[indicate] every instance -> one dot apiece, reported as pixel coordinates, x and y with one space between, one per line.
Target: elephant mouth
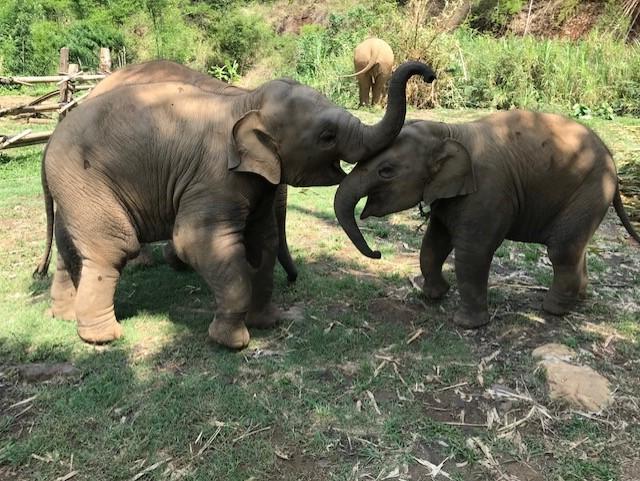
373 208
338 169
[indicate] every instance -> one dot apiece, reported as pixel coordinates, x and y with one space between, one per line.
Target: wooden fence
70 82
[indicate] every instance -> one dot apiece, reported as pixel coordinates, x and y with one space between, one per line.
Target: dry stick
209 441
452 387
67 476
526 26
250 433
24 401
150 468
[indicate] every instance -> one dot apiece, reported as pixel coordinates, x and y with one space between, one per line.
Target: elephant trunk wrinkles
347 196
377 137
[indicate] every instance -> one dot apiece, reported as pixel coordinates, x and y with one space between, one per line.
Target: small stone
580 386
553 351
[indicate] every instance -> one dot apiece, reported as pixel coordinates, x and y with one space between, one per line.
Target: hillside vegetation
569 55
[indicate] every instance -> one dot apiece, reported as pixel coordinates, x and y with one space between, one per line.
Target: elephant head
293 134
424 163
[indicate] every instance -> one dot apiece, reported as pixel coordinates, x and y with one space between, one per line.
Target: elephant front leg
218 255
436 247
262 246
472 273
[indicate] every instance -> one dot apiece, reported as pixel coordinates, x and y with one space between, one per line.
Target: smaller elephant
373 60
518 175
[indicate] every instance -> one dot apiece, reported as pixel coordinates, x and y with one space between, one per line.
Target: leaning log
23 139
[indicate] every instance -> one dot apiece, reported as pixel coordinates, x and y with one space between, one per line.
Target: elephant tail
369 66
624 218
43 268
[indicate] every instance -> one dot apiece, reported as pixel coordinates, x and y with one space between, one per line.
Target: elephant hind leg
94 304
66 276
364 86
567 247
569 278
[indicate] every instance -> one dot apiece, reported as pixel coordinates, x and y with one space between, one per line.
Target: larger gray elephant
166 71
518 175
149 162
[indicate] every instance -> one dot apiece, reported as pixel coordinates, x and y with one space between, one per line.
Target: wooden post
63 69
105 61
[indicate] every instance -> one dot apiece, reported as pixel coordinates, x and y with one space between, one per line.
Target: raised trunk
377 137
349 192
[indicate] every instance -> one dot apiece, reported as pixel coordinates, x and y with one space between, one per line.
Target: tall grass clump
480 71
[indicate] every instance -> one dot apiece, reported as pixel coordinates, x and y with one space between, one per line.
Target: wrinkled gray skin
516 175
158 161
167 71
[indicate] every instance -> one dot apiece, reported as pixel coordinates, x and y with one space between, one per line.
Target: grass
334 392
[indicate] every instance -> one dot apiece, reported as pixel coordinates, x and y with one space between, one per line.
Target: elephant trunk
377 137
284 255
349 192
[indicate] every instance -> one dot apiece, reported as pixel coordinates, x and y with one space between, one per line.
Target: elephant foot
470 320
436 289
230 333
100 333
172 259
263 319
557 305
64 312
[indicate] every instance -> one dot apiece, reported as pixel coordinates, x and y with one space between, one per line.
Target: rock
580 386
43 372
553 351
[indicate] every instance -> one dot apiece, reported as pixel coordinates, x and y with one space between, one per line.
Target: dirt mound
552 20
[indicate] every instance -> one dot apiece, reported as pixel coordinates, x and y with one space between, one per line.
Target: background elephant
149 162
518 175
167 71
373 61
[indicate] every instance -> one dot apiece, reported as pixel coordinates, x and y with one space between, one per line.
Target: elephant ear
252 148
451 172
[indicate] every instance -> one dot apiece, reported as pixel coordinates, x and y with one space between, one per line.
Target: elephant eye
327 137
386 172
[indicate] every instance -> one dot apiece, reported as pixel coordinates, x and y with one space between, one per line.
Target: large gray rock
579 386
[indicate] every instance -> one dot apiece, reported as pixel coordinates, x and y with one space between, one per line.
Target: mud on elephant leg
94 304
472 273
569 279
217 253
436 247
262 245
